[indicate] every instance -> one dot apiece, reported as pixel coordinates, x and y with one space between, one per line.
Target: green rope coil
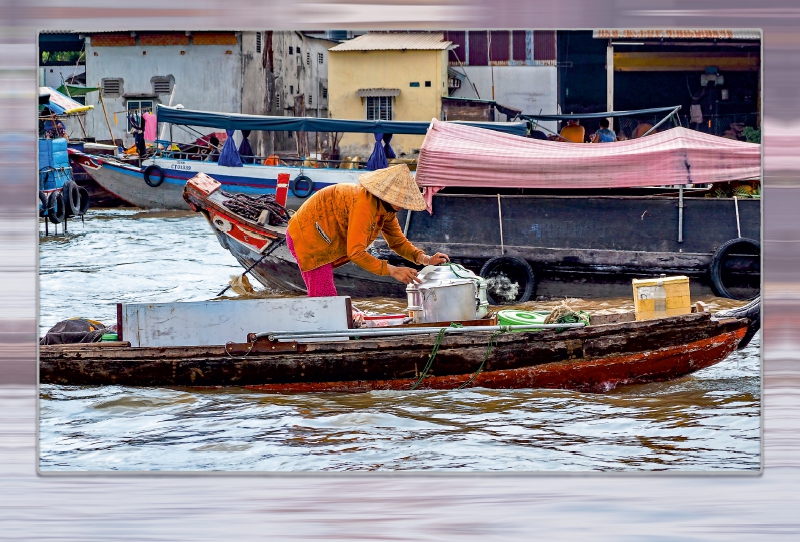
435 351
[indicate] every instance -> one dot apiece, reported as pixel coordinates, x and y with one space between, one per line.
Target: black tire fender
153 175
56 209
302 194
84 201
517 268
42 203
72 197
718 262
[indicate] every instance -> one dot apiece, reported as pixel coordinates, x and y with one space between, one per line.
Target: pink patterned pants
319 281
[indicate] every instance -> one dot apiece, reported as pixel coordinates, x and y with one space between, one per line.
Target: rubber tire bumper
718 262
84 201
148 173
56 209
519 269
72 198
42 203
301 194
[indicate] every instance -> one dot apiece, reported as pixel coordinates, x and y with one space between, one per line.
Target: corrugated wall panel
478 48
501 46
458 37
518 42
544 45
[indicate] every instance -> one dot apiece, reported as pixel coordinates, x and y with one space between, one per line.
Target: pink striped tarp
458 155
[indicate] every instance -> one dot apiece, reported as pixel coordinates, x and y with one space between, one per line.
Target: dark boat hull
578 246
597 358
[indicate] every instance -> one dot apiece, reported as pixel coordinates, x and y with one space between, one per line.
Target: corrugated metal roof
684 33
395 42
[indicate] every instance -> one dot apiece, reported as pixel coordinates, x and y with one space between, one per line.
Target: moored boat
613 351
157 183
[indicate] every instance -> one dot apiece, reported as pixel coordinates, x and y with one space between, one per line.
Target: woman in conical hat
338 223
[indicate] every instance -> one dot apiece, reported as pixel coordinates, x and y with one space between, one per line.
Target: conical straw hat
396 186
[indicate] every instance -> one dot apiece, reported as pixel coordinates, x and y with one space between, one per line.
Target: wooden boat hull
554 234
598 358
127 181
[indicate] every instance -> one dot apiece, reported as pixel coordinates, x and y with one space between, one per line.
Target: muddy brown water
708 421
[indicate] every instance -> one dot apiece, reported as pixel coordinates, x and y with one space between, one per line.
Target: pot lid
444 275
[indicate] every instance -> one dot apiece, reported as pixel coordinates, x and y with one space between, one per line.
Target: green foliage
751 134
61 57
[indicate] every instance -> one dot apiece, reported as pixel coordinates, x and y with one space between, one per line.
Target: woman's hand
437 259
406 275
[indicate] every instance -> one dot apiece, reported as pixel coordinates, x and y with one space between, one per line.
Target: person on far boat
604 134
213 150
641 129
573 131
338 223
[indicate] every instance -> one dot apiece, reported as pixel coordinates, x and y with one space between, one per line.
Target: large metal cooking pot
447 293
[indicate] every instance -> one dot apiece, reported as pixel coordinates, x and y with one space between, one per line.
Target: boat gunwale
474 339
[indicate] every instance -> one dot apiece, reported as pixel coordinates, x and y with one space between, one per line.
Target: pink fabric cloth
319 281
458 155
150 126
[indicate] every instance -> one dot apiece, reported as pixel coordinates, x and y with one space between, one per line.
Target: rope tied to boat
492 342
434 351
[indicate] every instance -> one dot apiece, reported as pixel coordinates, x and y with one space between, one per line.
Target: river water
706 422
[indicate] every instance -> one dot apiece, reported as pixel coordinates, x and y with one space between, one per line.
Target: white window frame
137 104
382 105
320 58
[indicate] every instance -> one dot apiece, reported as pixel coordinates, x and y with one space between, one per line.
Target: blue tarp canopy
234 121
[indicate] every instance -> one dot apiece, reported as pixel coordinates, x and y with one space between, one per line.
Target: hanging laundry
138 135
150 126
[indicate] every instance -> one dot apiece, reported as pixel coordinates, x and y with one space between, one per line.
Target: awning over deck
235 121
61 104
468 157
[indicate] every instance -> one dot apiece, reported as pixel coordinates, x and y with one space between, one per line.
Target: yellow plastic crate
676 288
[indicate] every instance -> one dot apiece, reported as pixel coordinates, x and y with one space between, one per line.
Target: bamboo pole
105 113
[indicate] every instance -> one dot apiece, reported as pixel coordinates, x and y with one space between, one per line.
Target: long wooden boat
580 247
612 352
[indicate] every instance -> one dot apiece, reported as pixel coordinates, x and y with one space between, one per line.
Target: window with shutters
112 87
379 108
161 85
258 42
324 93
319 58
310 100
308 58
277 101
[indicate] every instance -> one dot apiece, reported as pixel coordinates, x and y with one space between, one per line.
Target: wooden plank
678 61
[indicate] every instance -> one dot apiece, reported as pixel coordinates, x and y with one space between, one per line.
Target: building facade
135 71
516 68
387 76
285 74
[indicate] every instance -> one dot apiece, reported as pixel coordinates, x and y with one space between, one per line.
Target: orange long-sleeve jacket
338 223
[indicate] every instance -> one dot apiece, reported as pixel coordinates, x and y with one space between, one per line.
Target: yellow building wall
349 71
